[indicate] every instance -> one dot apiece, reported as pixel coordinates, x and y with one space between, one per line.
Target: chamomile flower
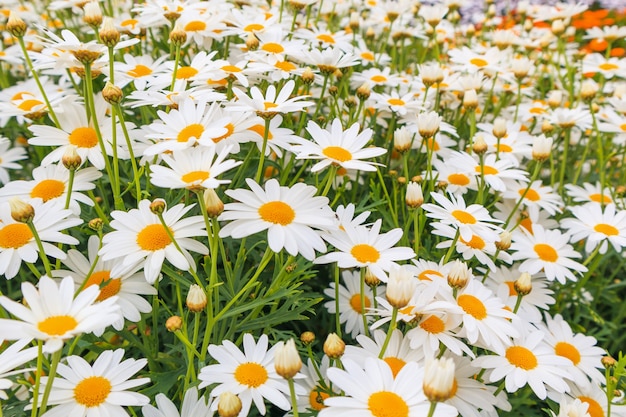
192 406
270 103
538 197
338 147
139 235
11 358
589 192
546 250
289 214
317 389
249 374
101 389
54 315
373 391
597 226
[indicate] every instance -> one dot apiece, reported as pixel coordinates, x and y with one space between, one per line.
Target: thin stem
42 252
392 327
431 410
38 373
294 399
337 321
362 294
266 133
56 357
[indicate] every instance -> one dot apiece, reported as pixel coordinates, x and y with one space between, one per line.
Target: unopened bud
109 35
523 285
178 36
157 206
334 347
428 124
370 279
21 211
555 97
402 139
470 100
112 94
459 275
355 21
439 381
608 361
414 195
96 224
588 90
364 91
214 206
16 26
499 128
546 127
542 147
308 76
71 159
196 299
287 361
228 405
505 240
307 338
400 286
174 323
479 146
252 42
558 27
93 14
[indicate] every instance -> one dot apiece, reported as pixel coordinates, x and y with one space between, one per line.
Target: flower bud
400 286
558 27
96 224
588 90
555 97
542 147
499 128
287 361
371 280
112 94
109 35
470 100
228 405
459 275
307 338
16 26
71 159
364 91
523 285
505 240
174 323
157 206
479 146
21 211
196 299
252 42
214 206
439 381
428 124
608 361
402 139
546 126
334 347
93 14
414 195
178 36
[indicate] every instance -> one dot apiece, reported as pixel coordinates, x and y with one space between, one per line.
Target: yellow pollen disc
472 306
464 217
504 148
387 404
595 409
27 105
365 253
316 398
599 198
269 105
458 179
231 68
433 324
260 129
379 78
230 128
130 22
194 176
108 287
608 66
475 242
57 325
285 66
185 72
367 56
277 212
511 285
253 27
396 364
337 153
273 48
568 351
606 229
623 127
341 172
48 189
195 26
251 374
83 137
408 310
20 95
424 275
537 110
546 252
432 144
396 102
355 303
487 170
325 38
139 71
521 357
15 235
531 195
194 130
92 391
153 237
479 62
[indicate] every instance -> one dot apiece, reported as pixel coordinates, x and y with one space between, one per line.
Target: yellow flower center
277 212
568 351
316 398
479 62
464 217
608 66
194 176
92 391
396 102
139 71
623 127
387 404
606 229
194 130
15 235
458 179
269 105
379 78
273 48
546 252
595 409
424 275
531 195
253 27
185 72
108 287
487 170
433 324
365 253
512 290
260 130
231 68
324 37
475 242
27 105
285 66
251 374
521 357
153 237
83 137
337 153
432 144
472 306
195 26
57 325
396 364
48 189
368 56
230 128
599 198
355 303
504 148
130 22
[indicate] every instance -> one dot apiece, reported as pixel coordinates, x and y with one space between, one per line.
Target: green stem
518 202
362 295
392 327
431 410
266 132
70 186
294 400
337 321
42 253
56 357
38 373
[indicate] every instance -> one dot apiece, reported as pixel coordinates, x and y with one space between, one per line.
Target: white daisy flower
101 389
288 214
139 235
546 250
598 226
373 391
11 358
192 406
55 315
589 192
338 147
317 387
271 102
249 374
